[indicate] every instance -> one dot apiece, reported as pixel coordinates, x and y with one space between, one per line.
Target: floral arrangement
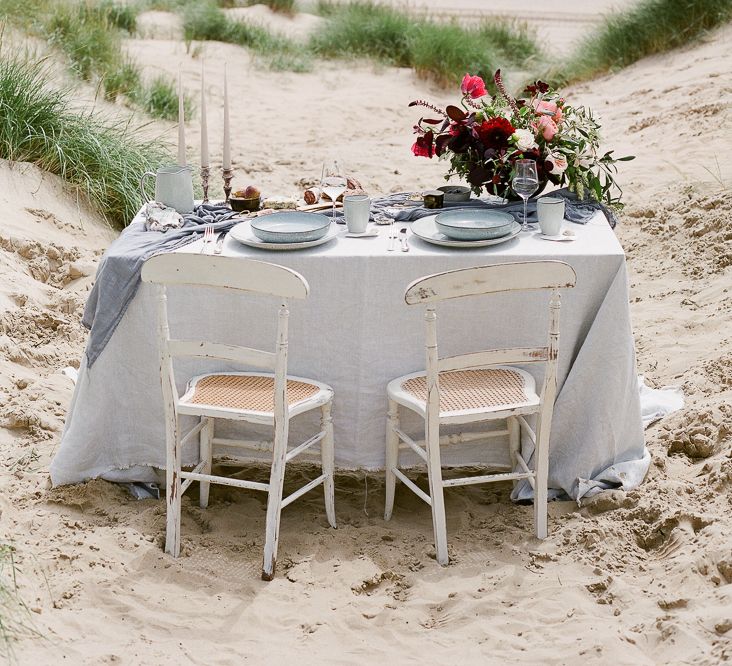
486 134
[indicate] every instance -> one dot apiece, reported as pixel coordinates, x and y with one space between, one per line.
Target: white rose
524 140
559 163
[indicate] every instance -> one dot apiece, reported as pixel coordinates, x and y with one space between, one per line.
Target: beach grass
204 20
103 158
283 6
15 621
645 29
159 98
440 51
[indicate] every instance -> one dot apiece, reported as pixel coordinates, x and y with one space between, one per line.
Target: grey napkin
118 275
576 210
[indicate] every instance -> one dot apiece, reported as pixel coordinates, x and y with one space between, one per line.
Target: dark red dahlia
494 133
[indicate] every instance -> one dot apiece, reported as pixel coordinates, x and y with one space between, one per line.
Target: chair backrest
482 280
230 273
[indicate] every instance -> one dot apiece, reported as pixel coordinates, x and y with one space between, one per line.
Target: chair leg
172 488
206 454
327 462
274 505
514 441
434 472
541 457
392 457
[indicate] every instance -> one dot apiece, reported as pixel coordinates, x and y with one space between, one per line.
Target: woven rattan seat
253 393
474 389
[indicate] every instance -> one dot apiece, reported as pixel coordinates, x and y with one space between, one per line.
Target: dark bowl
241 204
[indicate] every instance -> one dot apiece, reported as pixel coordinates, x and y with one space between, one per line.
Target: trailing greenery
650 27
438 51
101 157
205 21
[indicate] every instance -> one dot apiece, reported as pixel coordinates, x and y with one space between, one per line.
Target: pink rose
473 86
558 164
544 108
547 127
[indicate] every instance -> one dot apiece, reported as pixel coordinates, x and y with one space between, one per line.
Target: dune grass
204 20
102 158
648 28
15 619
439 51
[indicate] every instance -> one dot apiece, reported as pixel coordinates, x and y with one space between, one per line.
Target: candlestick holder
228 175
205 171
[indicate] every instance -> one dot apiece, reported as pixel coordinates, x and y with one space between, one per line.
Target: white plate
243 233
426 229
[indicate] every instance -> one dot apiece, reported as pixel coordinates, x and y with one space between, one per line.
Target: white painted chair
265 398
477 387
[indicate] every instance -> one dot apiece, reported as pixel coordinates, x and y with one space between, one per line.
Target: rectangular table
355 333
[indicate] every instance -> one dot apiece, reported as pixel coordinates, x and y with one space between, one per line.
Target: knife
220 242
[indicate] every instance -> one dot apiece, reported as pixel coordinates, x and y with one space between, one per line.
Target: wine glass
333 182
525 182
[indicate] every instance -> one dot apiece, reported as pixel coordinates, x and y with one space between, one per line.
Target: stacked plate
285 231
467 228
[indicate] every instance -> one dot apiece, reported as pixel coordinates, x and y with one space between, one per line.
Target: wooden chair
477 387
265 398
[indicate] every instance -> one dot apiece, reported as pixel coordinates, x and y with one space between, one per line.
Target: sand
642 577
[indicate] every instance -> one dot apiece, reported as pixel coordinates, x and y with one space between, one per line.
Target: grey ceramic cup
550 211
356 208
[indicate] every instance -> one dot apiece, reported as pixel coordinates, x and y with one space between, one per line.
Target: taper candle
227 134
181 124
204 125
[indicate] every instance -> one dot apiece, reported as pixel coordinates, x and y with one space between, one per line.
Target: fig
251 192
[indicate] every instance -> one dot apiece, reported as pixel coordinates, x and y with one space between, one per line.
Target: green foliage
159 98
205 21
442 52
102 158
282 6
650 27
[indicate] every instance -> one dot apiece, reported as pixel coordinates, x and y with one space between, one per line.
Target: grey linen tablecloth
355 333
118 275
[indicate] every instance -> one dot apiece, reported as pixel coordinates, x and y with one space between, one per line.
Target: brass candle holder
205 172
228 175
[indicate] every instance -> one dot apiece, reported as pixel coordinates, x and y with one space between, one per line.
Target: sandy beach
643 577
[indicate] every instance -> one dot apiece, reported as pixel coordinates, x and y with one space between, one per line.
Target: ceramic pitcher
173 187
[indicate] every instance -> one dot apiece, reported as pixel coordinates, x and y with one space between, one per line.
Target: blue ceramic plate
290 227
471 225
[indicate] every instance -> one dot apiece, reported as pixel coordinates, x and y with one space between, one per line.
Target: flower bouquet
485 135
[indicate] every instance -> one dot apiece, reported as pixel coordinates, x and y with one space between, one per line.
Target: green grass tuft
15 620
205 21
159 98
443 52
648 28
103 158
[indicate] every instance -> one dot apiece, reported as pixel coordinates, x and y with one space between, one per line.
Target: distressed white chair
271 398
477 387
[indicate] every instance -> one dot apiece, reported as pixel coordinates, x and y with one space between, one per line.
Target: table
356 333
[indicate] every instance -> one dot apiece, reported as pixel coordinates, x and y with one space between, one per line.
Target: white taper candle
227 133
181 124
204 124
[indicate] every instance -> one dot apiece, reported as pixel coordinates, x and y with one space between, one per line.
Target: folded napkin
118 275
577 210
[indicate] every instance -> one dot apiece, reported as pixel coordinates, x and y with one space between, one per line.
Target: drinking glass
333 182
525 182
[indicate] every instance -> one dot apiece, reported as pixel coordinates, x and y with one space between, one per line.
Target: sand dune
643 577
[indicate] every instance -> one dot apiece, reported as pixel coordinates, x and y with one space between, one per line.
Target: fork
208 236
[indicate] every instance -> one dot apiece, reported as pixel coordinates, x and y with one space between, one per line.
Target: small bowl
290 227
240 204
470 224
455 193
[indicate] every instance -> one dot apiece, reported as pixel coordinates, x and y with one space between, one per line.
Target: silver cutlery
208 236
220 242
392 236
403 239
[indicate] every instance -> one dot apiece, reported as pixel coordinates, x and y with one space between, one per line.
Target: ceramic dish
243 234
427 230
455 192
471 225
290 227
